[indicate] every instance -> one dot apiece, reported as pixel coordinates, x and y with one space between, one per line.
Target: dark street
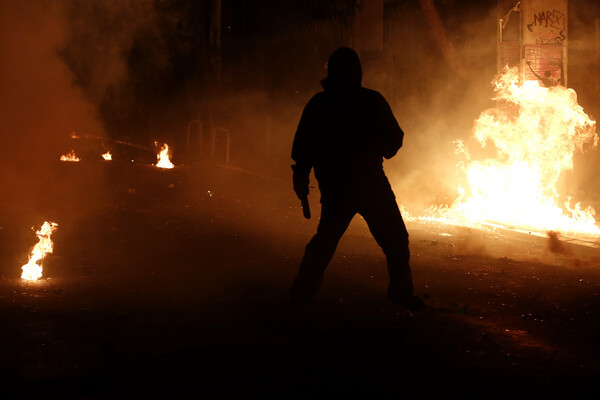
167 290
175 142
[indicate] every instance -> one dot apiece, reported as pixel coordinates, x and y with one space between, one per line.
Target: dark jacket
344 133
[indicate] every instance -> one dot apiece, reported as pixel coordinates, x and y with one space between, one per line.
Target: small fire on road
163 157
33 269
534 133
107 156
71 157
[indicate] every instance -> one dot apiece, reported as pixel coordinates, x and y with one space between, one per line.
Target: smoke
472 244
583 76
39 106
555 245
433 103
584 52
99 35
118 54
140 70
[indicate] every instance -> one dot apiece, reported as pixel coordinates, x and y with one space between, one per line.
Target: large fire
71 156
534 137
163 158
33 270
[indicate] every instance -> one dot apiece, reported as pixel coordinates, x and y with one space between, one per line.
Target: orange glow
107 156
71 156
534 144
33 269
163 157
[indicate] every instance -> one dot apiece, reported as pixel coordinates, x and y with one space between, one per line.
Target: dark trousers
382 215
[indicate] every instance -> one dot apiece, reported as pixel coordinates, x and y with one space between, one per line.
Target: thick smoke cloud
136 61
435 104
39 107
99 36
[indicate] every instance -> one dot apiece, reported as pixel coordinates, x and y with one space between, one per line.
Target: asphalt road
173 284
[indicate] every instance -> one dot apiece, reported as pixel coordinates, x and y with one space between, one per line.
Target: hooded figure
344 133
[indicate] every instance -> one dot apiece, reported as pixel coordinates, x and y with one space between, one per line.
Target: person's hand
301 191
301 181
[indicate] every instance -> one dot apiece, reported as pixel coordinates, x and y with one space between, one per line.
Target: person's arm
392 134
302 153
538 77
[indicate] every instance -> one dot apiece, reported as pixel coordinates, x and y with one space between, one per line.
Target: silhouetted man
547 80
344 133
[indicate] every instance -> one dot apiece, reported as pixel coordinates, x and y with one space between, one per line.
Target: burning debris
33 270
107 156
71 157
534 137
163 157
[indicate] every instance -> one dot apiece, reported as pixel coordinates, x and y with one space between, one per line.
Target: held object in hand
305 207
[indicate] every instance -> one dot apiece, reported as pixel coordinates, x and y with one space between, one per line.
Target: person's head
344 67
547 74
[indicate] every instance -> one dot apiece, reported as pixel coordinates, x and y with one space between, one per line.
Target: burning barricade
534 138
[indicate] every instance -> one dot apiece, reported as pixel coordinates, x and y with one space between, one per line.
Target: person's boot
410 301
304 289
405 298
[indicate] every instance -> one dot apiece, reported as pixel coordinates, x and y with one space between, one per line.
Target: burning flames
163 157
72 157
107 156
33 270
534 138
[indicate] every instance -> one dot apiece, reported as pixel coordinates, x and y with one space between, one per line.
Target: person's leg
387 226
319 251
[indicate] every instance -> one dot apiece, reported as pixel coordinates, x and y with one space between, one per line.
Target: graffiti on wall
548 19
547 26
552 22
544 39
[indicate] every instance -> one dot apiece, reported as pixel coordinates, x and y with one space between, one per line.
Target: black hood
343 70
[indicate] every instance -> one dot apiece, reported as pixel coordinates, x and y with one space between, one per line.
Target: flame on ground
163 157
33 269
72 157
107 156
534 137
